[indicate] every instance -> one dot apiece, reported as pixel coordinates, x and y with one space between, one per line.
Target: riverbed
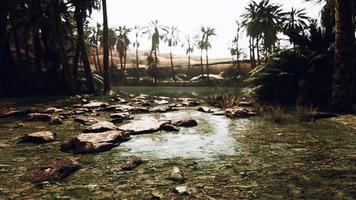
222 158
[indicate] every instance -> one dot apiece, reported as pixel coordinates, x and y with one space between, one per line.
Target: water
222 158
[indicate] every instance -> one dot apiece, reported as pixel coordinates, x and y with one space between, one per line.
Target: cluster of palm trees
118 38
49 38
264 21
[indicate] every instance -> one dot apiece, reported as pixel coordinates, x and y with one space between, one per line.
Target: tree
106 49
344 71
138 30
122 45
157 33
80 14
189 49
172 39
94 38
235 48
200 38
208 32
296 22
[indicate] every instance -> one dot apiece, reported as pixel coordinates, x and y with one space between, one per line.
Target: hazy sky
189 16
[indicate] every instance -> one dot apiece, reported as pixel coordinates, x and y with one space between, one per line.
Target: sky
189 16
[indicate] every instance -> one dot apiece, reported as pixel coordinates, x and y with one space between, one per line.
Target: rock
131 163
86 120
245 103
55 120
155 195
131 109
169 127
177 175
121 116
42 117
239 112
95 142
188 102
100 126
162 109
39 137
144 126
10 112
95 104
219 112
182 190
161 102
56 170
53 110
204 109
186 123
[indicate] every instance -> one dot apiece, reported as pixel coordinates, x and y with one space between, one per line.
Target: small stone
56 120
169 127
186 123
182 190
177 175
131 163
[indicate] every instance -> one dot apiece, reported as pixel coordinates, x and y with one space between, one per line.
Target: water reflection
211 138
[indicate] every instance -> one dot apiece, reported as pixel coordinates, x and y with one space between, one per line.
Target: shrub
306 113
224 99
277 114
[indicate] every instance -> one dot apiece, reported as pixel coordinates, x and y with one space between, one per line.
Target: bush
306 113
277 114
224 99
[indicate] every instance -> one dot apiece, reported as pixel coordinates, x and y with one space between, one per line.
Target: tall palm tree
138 30
296 21
122 45
344 74
106 49
172 39
189 49
80 14
235 48
208 32
200 40
156 32
94 38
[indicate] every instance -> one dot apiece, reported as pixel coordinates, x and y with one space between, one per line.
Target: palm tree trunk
98 57
343 80
155 67
258 50
172 66
76 61
188 73
207 64
137 64
95 62
125 57
72 87
111 58
79 17
106 50
201 63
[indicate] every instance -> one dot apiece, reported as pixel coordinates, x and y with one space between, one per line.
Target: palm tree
138 30
189 44
80 14
172 38
94 38
122 45
235 48
200 38
344 74
106 49
112 39
154 30
208 32
296 21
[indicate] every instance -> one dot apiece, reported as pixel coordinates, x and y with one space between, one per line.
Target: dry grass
277 114
224 99
306 113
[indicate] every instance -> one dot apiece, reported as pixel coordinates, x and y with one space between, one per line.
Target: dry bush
223 99
306 113
278 114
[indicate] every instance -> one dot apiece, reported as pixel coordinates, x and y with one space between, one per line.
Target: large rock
39 137
56 170
131 109
101 126
144 126
121 116
162 109
42 117
13 112
86 120
186 123
95 142
95 104
239 112
131 163
169 128
177 175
